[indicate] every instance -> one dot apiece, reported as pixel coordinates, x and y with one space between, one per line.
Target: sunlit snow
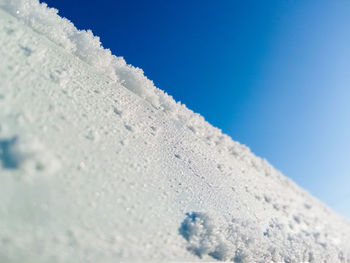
99 165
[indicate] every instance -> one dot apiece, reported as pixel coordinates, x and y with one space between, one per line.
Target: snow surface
98 165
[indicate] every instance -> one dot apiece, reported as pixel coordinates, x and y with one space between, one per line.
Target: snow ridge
87 47
142 178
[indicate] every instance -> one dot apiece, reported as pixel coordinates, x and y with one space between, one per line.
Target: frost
133 163
87 47
83 44
203 236
242 240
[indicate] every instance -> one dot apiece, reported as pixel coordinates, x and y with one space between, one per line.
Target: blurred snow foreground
98 165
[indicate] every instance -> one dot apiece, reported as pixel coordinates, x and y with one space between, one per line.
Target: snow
98 165
25 153
84 45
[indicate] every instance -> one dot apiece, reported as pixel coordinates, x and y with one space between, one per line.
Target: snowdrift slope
98 165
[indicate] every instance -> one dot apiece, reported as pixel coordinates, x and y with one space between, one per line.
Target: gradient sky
274 75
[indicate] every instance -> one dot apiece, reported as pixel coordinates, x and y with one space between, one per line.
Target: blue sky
274 75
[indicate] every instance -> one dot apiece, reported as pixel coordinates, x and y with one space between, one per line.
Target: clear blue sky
274 75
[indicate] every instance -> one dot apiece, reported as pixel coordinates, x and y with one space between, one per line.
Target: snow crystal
203 236
243 240
84 45
133 163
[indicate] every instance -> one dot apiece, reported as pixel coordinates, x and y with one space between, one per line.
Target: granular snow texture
98 165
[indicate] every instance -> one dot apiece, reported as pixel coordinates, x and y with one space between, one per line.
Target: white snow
98 165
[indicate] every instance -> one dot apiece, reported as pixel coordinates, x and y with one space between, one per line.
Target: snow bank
98 165
84 45
88 48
